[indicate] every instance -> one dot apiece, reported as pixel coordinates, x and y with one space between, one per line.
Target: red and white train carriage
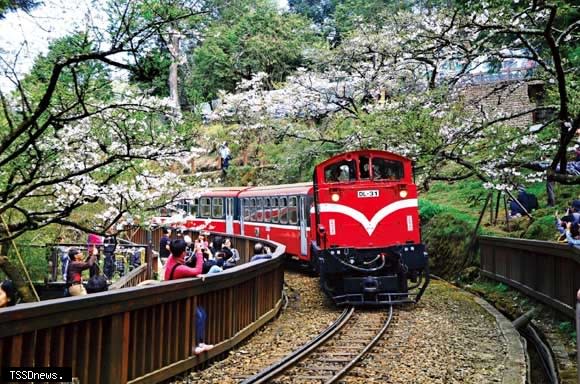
357 224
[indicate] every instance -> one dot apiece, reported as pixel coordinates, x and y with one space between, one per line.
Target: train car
357 224
367 240
281 213
210 209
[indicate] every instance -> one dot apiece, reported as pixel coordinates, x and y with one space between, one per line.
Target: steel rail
372 343
285 364
282 365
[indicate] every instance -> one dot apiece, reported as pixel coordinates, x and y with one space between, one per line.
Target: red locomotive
357 224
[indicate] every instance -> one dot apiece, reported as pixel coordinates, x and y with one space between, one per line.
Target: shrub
447 237
427 210
542 228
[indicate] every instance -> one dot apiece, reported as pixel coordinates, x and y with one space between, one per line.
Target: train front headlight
403 193
335 197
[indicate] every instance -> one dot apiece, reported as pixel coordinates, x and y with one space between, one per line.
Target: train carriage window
182 207
292 210
385 169
283 211
205 207
246 209
195 208
217 207
260 209
340 172
308 205
275 210
253 209
266 210
364 168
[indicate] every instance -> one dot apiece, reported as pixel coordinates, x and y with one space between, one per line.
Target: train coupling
370 284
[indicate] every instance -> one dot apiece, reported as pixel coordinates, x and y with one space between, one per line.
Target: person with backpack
177 269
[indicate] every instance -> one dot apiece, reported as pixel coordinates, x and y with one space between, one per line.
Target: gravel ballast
447 338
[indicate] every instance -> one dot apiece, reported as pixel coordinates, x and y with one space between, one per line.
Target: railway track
332 353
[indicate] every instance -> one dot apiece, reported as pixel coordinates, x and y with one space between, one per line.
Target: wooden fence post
117 349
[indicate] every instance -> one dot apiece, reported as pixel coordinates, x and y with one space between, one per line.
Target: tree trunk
173 68
25 290
550 192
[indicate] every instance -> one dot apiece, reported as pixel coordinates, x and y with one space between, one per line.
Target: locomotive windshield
340 172
375 168
384 169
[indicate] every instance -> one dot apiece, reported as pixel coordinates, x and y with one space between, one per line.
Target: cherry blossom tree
385 87
73 134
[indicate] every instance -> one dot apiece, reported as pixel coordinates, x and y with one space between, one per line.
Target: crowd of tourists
183 257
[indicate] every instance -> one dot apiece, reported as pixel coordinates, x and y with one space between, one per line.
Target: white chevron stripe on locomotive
371 225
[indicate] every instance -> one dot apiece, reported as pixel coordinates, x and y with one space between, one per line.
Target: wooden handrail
143 334
547 271
132 278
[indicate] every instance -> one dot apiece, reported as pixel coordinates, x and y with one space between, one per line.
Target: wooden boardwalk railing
143 334
547 271
132 278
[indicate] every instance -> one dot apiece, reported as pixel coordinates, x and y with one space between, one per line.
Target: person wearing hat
7 294
75 270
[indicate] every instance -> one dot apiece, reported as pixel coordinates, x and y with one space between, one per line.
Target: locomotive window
217 207
283 211
205 207
340 172
292 210
267 210
275 210
384 169
252 209
364 170
246 209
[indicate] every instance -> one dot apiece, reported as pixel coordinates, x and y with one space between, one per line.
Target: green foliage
568 328
501 287
542 228
258 40
88 80
464 198
316 10
447 238
152 71
428 210
14 5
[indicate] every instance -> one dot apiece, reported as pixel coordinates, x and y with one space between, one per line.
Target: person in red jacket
176 269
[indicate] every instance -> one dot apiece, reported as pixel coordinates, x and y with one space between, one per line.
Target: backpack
97 283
